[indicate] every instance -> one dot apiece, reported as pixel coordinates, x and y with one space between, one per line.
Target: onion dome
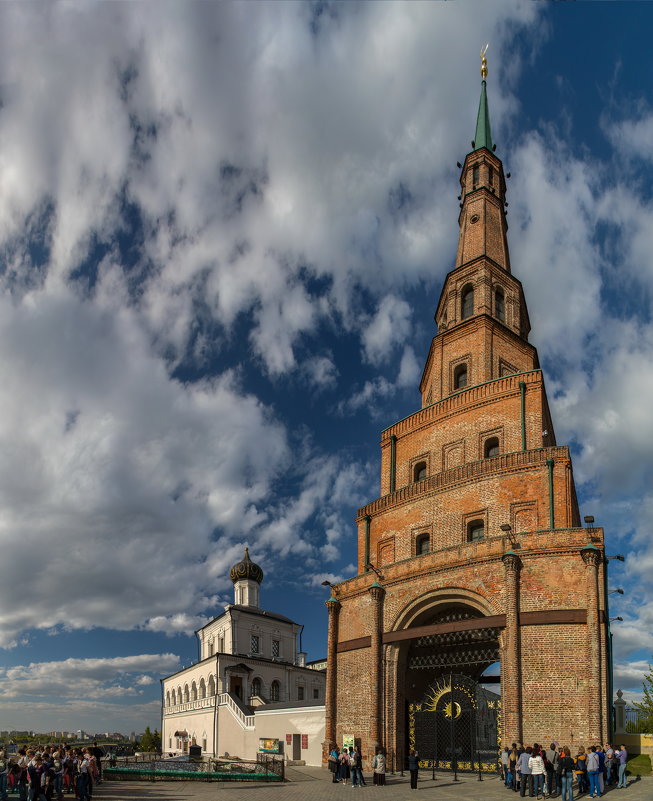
246 570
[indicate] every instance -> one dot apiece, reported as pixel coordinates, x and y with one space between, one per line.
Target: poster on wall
288 739
304 741
268 745
348 741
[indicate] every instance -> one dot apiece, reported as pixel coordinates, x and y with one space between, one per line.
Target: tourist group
35 775
548 772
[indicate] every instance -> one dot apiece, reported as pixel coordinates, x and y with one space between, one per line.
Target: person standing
622 756
536 767
609 762
601 755
378 765
581 770
343 766
566 766
333 764
513 760
525 772
593 772
551 765
413 769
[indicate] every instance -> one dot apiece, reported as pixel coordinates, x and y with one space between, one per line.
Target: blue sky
223 232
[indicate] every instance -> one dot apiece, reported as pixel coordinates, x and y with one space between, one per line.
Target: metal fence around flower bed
265 769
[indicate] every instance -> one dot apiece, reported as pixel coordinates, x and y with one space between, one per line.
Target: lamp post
618 591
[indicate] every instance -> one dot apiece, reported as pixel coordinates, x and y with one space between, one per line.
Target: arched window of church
168 698
211 685
256 687
193 692
186 695
202 689
491 447
475 176
499 304
179 695
422 544
210 647
419 471
460 377
475 530
467 302
274 691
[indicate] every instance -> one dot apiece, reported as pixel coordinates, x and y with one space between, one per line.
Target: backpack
352 760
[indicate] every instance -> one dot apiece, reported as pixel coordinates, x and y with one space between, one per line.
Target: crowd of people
548 772
347 765
49 773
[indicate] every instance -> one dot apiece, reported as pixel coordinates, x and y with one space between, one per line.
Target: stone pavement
315 784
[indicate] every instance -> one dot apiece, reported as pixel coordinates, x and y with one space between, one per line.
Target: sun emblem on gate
452 710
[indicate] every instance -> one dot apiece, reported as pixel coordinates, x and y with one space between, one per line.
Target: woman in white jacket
536 765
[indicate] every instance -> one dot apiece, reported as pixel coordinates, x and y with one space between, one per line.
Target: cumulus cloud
75 678
389 327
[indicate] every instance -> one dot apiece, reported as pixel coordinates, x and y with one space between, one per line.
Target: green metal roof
483 136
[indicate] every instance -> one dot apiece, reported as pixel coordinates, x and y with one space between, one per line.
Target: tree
646 705
149 741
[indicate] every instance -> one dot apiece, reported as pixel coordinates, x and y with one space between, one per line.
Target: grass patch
639 765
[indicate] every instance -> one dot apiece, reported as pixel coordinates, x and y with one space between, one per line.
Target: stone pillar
619 714
592 558
333 606
376 595
511 702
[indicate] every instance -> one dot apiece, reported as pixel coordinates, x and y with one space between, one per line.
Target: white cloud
389 327
77 678
125 469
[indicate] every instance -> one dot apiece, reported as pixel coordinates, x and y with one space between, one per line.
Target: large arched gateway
477 617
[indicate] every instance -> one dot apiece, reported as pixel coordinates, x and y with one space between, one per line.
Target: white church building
252 690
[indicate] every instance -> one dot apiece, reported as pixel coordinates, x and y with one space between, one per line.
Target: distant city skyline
223 230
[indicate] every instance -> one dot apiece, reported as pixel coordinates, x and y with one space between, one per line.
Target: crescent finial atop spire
484 61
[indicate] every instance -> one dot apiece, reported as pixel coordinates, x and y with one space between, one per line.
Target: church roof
250 610
483 136
246 569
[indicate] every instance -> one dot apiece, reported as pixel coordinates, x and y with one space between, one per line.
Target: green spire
483 136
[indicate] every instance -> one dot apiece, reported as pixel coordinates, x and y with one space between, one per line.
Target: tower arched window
475 530
460 377
422 544
257 687
499 304
211 686
475 171
274 691
467 302
491 447
202 689
419 471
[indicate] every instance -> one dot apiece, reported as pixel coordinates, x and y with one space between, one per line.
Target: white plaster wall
278 723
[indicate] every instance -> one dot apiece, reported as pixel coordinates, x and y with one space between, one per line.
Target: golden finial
484 61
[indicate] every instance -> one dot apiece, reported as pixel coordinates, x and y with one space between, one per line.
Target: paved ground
315 784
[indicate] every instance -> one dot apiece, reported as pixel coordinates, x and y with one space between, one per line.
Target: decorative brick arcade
474 553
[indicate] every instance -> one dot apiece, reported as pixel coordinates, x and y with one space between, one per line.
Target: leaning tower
477 617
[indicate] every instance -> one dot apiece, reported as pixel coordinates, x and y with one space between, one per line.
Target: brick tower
473 556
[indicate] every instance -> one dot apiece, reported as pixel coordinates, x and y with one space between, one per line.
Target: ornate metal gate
456 726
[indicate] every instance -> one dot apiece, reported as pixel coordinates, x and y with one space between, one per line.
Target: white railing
224 699
246 721
188 706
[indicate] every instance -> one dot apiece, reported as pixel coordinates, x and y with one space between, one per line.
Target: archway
440 672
